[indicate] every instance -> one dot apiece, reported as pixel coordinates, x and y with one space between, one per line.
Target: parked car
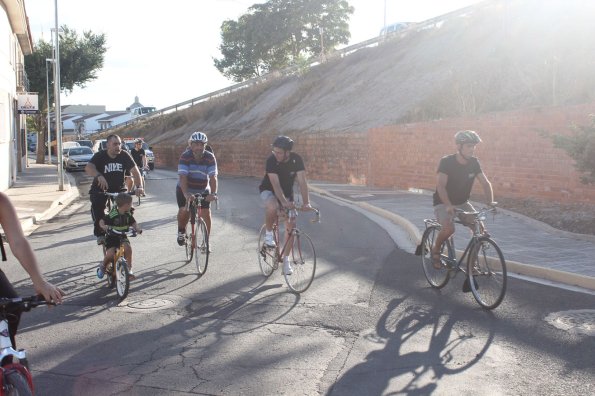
32 146
76 158
148 152
86 143
67 145
100 144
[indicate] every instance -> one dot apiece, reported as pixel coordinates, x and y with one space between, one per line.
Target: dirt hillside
505 54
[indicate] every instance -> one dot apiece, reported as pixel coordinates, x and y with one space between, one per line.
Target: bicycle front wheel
267 257
303 263
122 278
201 247
16 384
486 270
437 278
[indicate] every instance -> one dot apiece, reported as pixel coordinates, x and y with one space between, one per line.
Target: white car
68 145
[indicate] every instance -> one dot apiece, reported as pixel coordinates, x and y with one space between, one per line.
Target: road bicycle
15 377
196 243
117 272
484 268
298 246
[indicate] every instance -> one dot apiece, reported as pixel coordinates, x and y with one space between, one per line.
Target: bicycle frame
452 262
291 214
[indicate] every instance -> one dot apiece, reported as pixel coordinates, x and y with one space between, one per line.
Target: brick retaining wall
515 155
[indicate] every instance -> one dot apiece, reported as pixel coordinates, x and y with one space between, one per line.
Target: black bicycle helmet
462 137
283 142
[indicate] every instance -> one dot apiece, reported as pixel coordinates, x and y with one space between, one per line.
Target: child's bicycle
117 272
196 242
302 256
15 377
485 268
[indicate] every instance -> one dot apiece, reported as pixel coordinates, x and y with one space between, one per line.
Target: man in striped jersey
197 171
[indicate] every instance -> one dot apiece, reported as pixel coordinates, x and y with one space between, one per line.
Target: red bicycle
196 242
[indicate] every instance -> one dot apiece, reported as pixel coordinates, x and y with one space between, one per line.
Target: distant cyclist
276 189
456 174
197 171
140 159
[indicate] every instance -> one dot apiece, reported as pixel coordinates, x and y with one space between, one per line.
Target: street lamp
47 84
58 112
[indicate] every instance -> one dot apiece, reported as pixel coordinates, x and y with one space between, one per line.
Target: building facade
16 42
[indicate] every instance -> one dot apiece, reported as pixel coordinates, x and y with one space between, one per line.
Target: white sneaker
269 240
287 270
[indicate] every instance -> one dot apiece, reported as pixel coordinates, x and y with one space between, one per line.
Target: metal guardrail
375 41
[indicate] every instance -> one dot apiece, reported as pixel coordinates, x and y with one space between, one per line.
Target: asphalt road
369 324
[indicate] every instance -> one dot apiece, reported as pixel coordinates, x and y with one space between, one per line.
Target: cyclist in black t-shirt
456 174
108 168
140 159
276 188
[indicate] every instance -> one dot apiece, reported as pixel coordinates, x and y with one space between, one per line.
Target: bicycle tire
437 278
487 275
303 263
122 278
201 248
16 384
267 257
189 246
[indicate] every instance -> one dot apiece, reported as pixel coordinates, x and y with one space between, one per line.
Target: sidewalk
531 248
36 196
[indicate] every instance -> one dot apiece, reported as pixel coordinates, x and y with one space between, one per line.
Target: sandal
436 261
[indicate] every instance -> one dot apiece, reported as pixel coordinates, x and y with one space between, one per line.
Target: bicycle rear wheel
122 278
303 262
487 275
189 245
267 257
201 247
437 278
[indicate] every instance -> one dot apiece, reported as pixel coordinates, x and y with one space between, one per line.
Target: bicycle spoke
266 256
437 278
487 270
303 263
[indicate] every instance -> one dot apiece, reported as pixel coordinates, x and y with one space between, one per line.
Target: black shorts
113 241
182 199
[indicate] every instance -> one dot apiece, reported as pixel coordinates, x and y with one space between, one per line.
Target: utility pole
58 112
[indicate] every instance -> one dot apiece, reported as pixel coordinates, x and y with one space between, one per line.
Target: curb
529 270
30 223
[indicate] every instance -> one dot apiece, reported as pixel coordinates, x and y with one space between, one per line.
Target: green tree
281 33
80 59
580 146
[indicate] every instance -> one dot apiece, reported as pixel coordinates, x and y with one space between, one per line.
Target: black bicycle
485 266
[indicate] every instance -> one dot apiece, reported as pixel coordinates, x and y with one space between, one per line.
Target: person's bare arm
274 178
92 171
22 250
487 188
303 182
442 193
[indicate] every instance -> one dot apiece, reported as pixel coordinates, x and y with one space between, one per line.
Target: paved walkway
530 247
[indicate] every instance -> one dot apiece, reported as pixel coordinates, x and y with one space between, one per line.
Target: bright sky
162 51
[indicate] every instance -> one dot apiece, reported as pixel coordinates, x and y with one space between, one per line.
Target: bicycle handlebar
25 303
129 232
293 212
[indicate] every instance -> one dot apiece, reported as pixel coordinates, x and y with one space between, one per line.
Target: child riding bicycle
120 218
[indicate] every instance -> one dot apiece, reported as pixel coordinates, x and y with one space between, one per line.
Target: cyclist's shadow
415 368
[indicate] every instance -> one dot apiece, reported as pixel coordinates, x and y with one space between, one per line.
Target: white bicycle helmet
198 137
